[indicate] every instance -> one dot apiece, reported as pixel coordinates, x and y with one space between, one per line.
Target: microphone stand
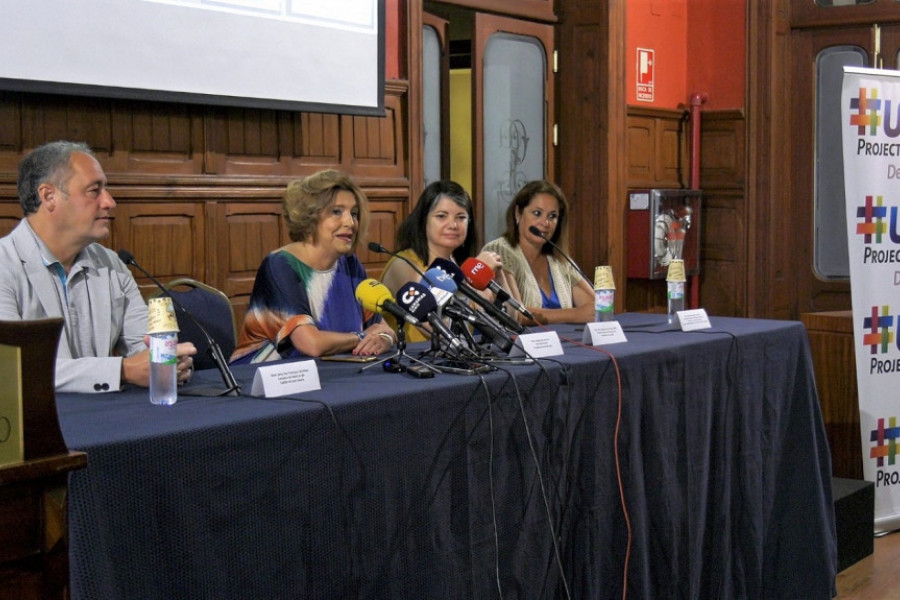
488 307
471 365
214 350
376 247
568 258
399 355
462 330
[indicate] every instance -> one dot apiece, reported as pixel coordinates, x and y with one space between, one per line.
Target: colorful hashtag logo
885 442
868 109
878 334
873 225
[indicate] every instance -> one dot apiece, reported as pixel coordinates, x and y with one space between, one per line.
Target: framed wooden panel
641 144
244 232
386 215
541 10
167 239
722 149
46 118
657 149
265 143
11 132
258 143
155 138
806 13
10 215
377 144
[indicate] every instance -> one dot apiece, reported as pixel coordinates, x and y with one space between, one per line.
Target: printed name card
691 320
537 345
603 333
286 378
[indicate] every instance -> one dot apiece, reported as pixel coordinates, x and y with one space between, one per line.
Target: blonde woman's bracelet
388 337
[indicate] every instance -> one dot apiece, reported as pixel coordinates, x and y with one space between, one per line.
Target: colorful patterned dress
288 294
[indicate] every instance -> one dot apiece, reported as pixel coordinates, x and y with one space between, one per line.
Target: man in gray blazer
53 267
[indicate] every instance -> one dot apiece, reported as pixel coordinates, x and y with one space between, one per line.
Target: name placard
537 345
284 379
12 446
691 320
603 333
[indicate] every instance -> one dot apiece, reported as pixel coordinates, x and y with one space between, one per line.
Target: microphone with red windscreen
462 312
480 276
466 288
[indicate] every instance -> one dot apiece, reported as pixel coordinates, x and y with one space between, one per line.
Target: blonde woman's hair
305 200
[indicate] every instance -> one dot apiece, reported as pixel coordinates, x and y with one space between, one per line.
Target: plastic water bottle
604 301
604 294
162 327
163 371
675 280
676 299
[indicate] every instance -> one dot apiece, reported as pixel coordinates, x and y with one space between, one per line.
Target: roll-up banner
870 126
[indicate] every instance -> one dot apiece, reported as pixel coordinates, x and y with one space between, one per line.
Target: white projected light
313 55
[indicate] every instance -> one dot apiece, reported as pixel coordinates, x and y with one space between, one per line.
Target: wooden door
510 141
436 98
818 241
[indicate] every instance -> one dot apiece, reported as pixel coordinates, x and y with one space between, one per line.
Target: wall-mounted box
663 224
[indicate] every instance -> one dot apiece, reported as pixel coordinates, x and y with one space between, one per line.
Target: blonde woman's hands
378 338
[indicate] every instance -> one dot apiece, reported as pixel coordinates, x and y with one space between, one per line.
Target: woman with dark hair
304 298
442 225
549 287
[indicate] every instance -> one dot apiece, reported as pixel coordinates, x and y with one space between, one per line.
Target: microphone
213 348
535 231
420 302
507 321
376 297
487 326
463 312
442 298
376 247
481 276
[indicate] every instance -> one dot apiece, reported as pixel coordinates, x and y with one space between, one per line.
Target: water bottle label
676 290
162 349
604 300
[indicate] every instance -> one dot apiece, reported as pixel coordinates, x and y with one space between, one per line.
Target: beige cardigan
565 278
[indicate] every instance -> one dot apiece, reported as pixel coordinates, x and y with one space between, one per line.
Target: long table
681 465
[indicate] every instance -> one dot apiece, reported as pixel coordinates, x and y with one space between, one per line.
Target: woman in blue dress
304 298
548 286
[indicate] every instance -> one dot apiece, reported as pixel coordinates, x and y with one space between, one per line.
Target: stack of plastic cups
675 280
162 327
604 293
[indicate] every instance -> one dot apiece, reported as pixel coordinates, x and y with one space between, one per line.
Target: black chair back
210 307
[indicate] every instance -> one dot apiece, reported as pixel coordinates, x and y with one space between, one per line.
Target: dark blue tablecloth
381 485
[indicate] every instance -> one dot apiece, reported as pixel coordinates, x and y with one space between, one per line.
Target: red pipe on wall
697 100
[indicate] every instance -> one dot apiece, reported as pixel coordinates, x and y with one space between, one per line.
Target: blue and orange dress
288 294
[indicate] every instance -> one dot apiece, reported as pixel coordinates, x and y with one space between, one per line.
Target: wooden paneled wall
659 157
657 148
199 188
724 258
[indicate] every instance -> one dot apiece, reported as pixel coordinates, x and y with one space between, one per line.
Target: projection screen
311 55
